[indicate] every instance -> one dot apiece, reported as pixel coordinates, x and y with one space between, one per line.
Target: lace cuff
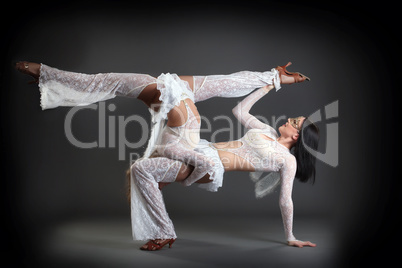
218 170
55 93
276 79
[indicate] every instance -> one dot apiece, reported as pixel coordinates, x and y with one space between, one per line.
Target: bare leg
189 79
183 173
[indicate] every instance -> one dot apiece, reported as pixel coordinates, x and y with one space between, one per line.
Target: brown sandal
30 69
288 77
153 245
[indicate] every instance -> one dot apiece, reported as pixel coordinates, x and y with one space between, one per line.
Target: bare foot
30 68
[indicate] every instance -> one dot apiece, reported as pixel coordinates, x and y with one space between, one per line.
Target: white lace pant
149 217
63 88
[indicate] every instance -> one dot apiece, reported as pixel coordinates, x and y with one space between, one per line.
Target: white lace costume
266 155
61 88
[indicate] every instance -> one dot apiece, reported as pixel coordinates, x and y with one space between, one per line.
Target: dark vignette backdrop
349 50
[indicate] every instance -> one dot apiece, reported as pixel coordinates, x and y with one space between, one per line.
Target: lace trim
276 80
60 88
216 175
42 97
173 90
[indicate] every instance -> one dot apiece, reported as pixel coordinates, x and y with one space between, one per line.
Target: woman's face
292 126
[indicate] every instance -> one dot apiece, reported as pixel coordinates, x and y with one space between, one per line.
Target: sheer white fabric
265 183
149 218
62 88
233 85
173 90
216 174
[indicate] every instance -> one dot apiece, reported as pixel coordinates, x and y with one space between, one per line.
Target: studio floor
202 242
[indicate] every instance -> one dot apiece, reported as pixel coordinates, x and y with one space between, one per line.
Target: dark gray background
345 51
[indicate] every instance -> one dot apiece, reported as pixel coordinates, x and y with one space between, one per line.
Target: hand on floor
301 244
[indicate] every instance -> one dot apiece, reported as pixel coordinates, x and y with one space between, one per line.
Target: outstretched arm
286 203
242 110
287 173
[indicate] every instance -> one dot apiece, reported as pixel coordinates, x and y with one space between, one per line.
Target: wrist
291 238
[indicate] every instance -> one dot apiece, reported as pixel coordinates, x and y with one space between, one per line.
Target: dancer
261 149
168 97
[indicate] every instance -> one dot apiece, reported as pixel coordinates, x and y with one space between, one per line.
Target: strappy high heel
27 68
153 245
288 77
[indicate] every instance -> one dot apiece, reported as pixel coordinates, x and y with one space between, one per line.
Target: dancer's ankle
30 68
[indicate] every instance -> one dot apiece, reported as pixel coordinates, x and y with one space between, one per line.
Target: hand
301 244
268 88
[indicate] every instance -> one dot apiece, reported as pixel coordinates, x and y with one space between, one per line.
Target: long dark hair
308 136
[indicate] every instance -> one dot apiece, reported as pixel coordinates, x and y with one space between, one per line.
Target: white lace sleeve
287 173
242 111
